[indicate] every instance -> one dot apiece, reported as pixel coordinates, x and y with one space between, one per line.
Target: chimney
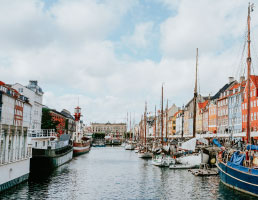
230 79
242 78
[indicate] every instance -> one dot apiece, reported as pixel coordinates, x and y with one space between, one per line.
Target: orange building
204 113
253 105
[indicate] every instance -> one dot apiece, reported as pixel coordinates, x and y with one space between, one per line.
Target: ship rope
240 70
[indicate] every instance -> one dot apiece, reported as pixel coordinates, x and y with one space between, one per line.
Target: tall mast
141 130
162 115
145 122
167 121
155 124
126 125
130 128
248 60
195 96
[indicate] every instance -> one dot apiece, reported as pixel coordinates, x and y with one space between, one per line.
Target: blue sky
115 54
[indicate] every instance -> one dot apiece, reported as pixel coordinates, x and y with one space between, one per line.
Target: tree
47 121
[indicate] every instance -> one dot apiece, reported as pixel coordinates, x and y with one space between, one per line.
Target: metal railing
41 133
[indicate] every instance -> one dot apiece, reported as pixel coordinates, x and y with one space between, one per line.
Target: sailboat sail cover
216 142
191 144
237 158
252 147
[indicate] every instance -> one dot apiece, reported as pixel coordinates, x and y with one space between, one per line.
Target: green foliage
47 122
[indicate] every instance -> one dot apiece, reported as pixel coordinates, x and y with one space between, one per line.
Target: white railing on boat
41 133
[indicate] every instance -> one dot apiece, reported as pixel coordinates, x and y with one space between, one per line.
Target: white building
35 95
14 151
179 123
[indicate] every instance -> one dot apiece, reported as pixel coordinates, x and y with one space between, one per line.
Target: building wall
199 118
235 113
253 107
108 128
27 117
213 117
173 125
186 121
7 116
223 114
205 122
35 99
179 128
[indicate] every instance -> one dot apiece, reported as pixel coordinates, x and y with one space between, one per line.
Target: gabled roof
255 80
223 89
203 104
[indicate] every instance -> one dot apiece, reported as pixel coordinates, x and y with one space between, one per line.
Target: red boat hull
81 148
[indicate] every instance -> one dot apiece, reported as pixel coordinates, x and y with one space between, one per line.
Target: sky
113 55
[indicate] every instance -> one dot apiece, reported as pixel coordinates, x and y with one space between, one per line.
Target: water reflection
113 173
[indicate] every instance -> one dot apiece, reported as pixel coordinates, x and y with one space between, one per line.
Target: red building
253 105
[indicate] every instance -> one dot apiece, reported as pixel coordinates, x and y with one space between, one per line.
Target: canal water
114 173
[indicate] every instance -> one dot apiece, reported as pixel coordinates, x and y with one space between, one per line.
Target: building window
251 104
254 103
245 105
251 116
255 116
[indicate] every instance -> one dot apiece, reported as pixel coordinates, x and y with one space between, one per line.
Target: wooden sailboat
240 170
162 160
145 153
192 160
130 145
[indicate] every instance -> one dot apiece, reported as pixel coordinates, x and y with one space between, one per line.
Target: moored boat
81 144
144 154
239 172
240 169
129 146
81 147
194 159
48 150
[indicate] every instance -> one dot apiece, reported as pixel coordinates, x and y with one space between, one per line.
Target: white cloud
67 47
204 24
141 36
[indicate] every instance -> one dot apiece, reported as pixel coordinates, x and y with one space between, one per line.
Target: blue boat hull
239 178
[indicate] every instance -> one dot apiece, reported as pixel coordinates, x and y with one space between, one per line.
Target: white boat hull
181 166
163 162
129 147
14 173
145 155
194 160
